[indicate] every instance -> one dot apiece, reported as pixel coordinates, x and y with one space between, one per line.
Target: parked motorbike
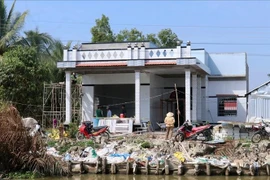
262 133
187 131
86 130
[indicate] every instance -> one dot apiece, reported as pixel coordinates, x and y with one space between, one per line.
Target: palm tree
41 41
10 25
57 50
56 54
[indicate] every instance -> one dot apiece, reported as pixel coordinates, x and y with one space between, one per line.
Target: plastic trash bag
179 156
103 152
67 157
124 155
115 160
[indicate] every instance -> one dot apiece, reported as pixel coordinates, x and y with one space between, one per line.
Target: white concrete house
211 86
259 103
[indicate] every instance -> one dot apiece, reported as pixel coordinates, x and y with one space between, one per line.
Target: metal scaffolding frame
54 103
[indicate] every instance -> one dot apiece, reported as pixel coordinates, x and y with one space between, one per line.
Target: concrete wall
200 54
226 87
88 103
124 78
156 91
145 102
227 64
237 87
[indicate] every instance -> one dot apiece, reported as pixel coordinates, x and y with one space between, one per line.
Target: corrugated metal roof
258 88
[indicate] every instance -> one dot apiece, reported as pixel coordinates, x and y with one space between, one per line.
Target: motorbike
86 130
187 131
262 133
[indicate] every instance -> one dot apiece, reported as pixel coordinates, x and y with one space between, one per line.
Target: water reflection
160 177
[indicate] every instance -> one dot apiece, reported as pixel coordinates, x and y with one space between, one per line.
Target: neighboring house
259 103
211 86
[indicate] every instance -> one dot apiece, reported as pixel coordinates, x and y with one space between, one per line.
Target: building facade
143 77
259 103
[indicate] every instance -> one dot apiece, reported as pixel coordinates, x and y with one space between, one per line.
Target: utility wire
158 25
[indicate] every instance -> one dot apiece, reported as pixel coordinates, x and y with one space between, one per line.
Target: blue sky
217 26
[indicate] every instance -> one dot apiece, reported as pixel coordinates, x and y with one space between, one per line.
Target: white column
205 102
187 94
68 98
194 97
65 55
137 97
199 98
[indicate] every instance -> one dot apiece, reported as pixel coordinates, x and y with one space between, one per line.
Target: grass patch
24 175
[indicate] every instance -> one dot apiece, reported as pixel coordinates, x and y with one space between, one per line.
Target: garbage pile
142 148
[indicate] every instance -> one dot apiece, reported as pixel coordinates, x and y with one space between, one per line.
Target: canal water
160 177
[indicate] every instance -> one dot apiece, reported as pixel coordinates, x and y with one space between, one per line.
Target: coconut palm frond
19 151
12 28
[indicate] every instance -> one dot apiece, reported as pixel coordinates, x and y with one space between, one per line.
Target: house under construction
54 103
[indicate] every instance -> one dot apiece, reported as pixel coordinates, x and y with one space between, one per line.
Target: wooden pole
177 103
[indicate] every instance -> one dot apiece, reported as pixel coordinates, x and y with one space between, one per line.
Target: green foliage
72 130
132 35
146 144
102 32
41 41
24 175
51 143
22 78
10 25
167 38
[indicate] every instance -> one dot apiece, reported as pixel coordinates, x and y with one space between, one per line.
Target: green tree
167 38
10 25
41 41
22 78
153 38
130 35
56 54
102 32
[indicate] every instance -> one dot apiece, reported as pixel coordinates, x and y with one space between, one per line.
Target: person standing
109 112
99 112
124 111
169 121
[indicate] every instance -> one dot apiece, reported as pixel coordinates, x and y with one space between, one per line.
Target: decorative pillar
137 97
74 53
205 101
187 93
129 51
199 98
68 97
142 52
188 51
65 54
179 49
194 97
136 52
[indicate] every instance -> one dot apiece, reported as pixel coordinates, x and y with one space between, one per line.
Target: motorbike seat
98 128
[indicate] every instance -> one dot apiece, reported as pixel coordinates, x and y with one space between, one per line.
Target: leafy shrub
146 144
72 130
